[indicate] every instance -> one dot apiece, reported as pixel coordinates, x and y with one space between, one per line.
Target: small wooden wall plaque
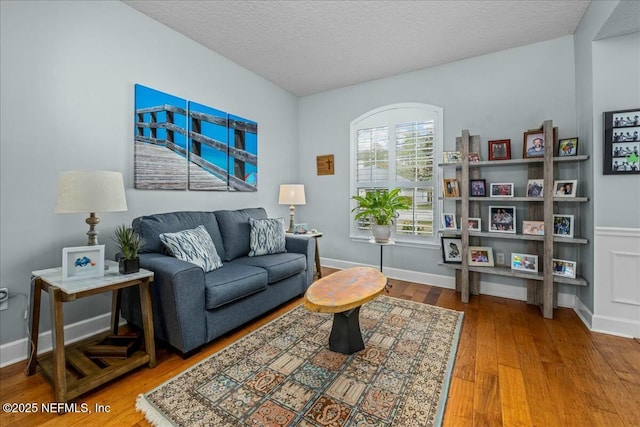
325 164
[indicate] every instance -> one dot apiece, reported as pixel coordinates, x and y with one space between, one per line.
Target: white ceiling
308 47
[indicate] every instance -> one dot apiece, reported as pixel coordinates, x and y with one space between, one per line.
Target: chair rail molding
617 281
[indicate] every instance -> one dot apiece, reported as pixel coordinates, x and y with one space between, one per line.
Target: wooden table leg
317 259
116 300
57 331
147 321
34 326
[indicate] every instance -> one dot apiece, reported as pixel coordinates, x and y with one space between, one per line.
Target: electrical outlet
500 258
4 299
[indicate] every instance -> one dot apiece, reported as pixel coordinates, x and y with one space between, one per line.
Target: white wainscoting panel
616 305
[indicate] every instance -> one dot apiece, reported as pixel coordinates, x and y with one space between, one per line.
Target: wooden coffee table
342 294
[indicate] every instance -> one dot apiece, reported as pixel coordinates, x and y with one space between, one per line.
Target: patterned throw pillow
194 246
267 236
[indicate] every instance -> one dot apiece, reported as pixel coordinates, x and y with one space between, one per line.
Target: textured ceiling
308 47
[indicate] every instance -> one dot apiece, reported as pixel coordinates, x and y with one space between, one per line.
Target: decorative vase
381 233
128 266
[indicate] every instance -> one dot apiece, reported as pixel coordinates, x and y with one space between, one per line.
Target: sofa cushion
150 227
235 230
278 266
267 236
194 246
232 282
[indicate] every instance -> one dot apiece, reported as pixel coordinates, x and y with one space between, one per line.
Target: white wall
496 96
67 75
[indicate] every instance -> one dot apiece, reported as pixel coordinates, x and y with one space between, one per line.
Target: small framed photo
478 188
502 219
621 142
535 187
564 268
451 250
565 188
449 221
563 225
500 149
452 156
82 262
474 157
568 147
524 262
481 256
450 187
301 228
502 189
533 143
535 228
475 224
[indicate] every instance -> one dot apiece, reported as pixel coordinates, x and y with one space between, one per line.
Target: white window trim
355 234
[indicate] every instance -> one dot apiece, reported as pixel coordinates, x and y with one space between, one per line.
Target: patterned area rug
284 374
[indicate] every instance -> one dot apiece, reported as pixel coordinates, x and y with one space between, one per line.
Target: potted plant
381 207
129 243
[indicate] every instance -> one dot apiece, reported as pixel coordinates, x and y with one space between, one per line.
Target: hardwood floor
513 368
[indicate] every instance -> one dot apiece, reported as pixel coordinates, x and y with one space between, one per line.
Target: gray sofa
190 307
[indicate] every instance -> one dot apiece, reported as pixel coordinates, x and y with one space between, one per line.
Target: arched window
394 147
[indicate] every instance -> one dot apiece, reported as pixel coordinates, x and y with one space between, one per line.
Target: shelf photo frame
621 142
535 228
535 188
563 225
481 256
500 149
564 268
449 221
450 187
524 262
82 262
501 189
451 157
451 250
502 219
533 143
478 188
475 224
565 187
568 147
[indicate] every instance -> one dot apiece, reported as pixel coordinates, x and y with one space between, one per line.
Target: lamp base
93 220
292 211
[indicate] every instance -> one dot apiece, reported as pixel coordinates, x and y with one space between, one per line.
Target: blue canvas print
208 156
160 126
243 154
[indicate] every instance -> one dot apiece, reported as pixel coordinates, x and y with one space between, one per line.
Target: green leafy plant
129 242
381 206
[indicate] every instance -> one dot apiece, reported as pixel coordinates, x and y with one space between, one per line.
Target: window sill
400 242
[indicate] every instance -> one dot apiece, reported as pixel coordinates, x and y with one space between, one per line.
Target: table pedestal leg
346 337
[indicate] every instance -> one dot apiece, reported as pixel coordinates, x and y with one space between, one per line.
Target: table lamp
291 194
91 191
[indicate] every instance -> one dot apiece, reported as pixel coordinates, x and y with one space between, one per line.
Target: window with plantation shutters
395 147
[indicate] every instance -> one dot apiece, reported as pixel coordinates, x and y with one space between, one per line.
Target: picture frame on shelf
481 256
451 157
474 157
501 189
565 187
450 187
449 221
533 143
500 149
563 225
502 219
475 224
568 147
478 188
564 268
535 188
621 142
524 262
534 228
451 250
82 262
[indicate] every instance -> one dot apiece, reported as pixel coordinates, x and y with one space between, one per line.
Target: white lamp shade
90 191
291 194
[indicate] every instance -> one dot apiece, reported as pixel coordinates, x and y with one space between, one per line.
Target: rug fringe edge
152 415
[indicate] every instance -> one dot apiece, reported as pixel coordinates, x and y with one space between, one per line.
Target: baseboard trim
16 351
615 326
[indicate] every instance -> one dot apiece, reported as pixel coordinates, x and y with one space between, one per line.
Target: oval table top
344 290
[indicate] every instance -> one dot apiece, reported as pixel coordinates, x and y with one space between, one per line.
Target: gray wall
67 75
496 96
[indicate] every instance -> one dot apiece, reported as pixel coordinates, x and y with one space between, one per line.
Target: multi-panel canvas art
183 145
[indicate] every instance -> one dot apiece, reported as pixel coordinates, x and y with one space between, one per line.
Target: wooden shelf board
508 272
485 163
514 236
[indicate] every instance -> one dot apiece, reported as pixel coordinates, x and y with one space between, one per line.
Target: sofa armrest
307 247
178 299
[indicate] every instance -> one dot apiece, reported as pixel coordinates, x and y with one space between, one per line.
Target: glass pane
414 151
418 220
373 154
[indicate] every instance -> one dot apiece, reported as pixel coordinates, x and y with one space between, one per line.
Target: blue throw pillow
267 236
194 246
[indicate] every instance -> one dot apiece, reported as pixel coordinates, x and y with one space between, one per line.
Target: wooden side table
316 236
85 374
